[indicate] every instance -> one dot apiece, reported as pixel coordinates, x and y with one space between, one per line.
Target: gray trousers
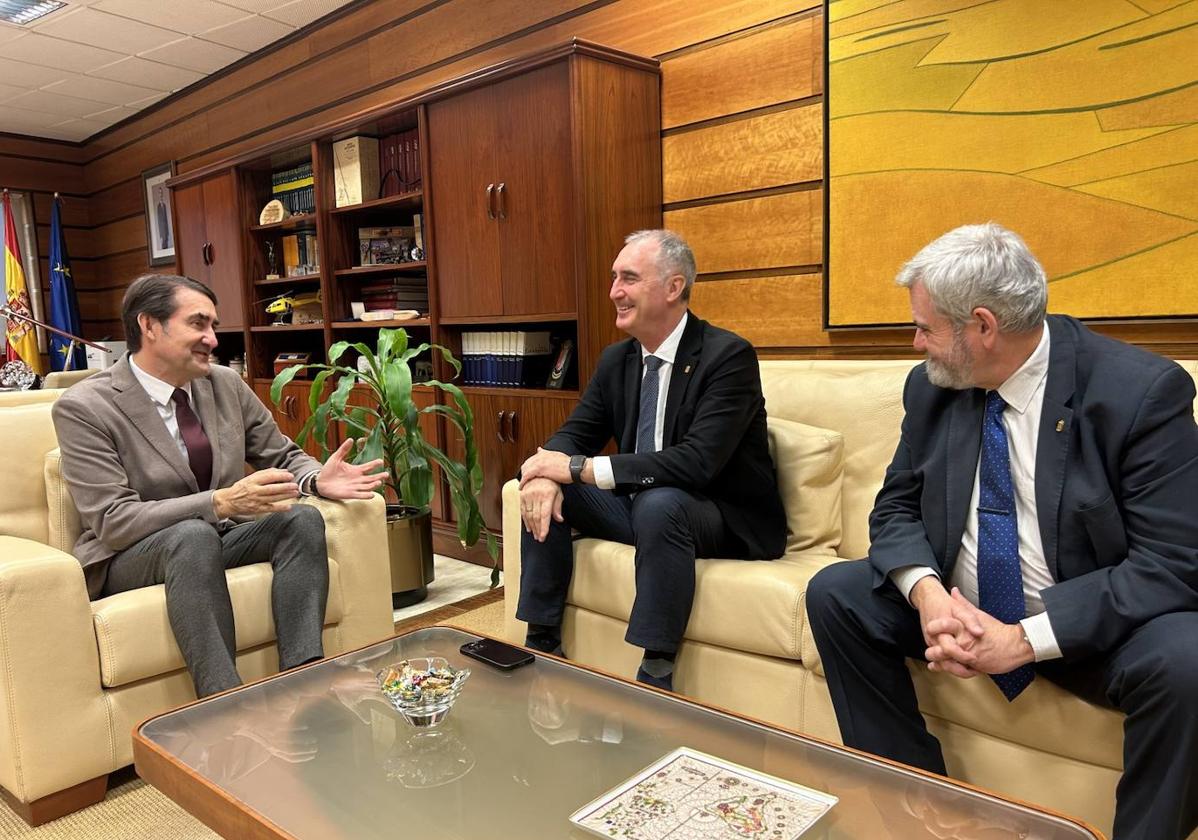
191 557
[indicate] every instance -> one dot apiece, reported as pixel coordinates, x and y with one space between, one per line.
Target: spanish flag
20 340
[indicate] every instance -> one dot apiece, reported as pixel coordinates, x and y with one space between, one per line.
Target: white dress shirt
1023 393
160 394
605 478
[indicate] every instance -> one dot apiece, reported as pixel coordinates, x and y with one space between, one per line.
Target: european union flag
64 305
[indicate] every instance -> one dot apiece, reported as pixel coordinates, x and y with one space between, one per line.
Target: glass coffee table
320 753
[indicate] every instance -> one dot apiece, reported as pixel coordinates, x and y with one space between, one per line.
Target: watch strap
577 462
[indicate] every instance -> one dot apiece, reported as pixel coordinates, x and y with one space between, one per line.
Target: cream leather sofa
77 676
748 647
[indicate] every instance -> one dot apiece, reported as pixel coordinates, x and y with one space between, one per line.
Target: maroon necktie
199 449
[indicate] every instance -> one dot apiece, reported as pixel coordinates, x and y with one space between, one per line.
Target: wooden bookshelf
413 200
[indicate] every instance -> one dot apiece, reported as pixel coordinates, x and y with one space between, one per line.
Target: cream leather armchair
76 676
833 430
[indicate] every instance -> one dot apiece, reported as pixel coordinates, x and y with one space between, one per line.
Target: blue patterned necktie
1000 581
646 422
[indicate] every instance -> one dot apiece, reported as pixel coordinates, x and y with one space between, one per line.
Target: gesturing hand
339 479
264 491
540 498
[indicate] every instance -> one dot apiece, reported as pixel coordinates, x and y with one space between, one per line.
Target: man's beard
956 371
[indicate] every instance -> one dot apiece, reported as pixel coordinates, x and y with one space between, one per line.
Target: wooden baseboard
446 542
58 804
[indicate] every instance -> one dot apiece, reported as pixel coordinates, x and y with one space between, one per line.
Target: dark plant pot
410 543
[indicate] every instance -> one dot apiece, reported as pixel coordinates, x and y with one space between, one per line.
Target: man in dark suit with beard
693 476
1037 521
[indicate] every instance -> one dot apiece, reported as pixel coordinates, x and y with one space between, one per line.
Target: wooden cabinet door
508 430
222 219
190 234
462 136
291 412
536 202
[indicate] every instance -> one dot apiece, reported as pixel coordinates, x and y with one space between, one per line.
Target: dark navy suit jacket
1116 486
714 438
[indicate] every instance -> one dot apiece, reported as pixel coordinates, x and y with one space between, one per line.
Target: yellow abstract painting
1072 122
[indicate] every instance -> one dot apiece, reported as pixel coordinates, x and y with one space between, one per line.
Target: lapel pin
1060 425
686 369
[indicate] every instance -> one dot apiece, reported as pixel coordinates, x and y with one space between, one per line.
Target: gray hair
674 256
981 265
154 294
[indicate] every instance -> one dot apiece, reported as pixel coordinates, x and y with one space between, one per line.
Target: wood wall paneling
784 62
756 233
771 150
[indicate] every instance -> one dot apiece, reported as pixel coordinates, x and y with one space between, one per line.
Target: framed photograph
160 237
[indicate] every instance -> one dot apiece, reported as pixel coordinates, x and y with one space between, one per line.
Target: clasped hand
963 640
264 491
541 478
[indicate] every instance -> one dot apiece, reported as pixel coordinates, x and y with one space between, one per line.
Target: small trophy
271 268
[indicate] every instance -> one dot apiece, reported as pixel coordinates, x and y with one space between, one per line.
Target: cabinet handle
206 253
511 426
490 201
499 426
501 193
289 406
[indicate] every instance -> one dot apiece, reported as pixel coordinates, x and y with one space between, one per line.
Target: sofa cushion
23 491
810 465
749 605
134 635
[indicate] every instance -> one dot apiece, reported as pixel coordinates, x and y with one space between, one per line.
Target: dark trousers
669 528
863 636
191 557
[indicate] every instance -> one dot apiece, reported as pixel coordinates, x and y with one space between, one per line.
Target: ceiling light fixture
22 12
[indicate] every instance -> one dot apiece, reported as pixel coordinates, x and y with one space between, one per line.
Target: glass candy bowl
422 689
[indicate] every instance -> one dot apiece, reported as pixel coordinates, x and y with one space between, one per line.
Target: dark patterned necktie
646 423
1000 579
199 449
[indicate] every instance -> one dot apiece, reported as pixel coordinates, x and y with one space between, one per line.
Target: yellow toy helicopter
291 308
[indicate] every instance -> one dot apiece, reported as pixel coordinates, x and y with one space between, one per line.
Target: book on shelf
355 170
301 253
508 359
295 187
399 162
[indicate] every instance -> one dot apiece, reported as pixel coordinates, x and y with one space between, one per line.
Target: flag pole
8 312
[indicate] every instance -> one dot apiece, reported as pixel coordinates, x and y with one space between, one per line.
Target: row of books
301 254
513 358
295 187
397 293
399 162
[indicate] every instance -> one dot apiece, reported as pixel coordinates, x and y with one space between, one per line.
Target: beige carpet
134 809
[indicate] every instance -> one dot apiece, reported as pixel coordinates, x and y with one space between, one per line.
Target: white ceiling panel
94 63
189 17
35 48
100 90
139 71
249 33
97 29
301 12
29 75
194 54
54 103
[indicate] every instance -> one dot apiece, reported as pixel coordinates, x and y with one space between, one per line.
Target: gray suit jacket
1116 479
127 476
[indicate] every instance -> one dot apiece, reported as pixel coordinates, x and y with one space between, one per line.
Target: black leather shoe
666 682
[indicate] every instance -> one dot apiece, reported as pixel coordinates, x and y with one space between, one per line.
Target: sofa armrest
56 728
356 533
513 629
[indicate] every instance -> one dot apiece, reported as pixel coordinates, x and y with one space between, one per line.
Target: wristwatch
577 462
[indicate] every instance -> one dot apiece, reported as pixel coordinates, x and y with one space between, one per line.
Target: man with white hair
692 476
1037 521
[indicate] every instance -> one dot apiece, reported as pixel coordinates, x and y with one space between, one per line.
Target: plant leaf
282 378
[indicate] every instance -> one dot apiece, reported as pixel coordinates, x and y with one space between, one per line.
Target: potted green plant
389 428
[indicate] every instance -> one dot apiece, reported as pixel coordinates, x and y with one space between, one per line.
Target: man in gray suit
1037 522
154 452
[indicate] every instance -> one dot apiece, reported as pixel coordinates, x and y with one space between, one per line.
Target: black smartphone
496 653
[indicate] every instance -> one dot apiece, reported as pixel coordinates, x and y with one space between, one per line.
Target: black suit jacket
1116 486
714 438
